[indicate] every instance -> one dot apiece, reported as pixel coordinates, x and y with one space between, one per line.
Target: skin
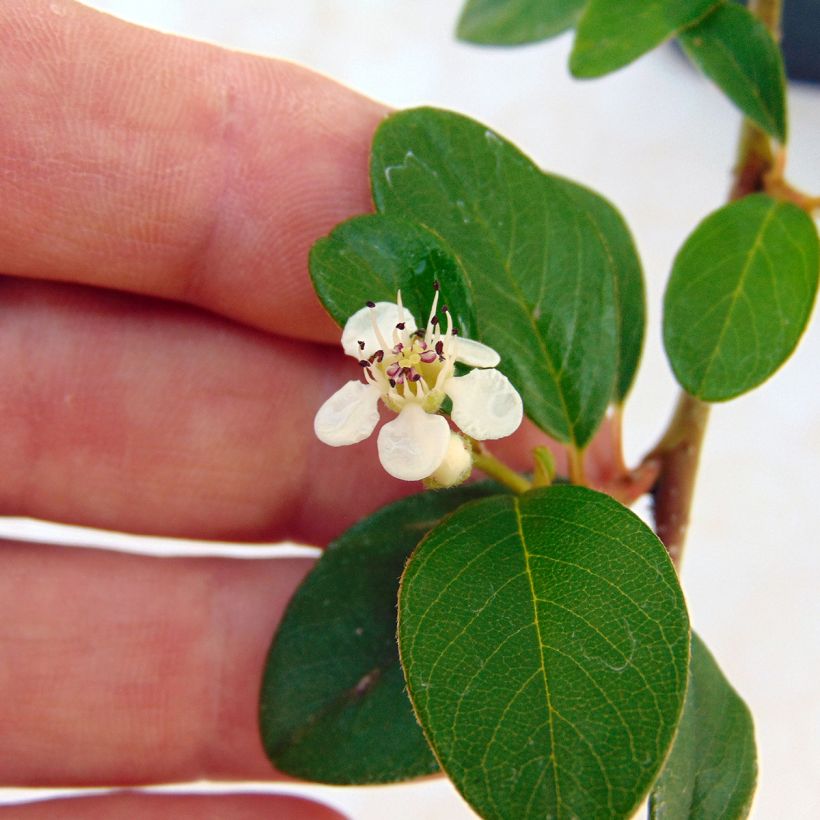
162 355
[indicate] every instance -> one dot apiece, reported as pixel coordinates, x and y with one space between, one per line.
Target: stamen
370 304
364 363
375 327
432 320
440 347
400 326
392 382
393 369
377 356
398 348
361 345
429 356
436 285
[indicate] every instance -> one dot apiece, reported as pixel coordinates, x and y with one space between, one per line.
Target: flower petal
475 354
485 404
349 415
359 328
412 446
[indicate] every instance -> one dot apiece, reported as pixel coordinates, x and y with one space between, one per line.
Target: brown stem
677 455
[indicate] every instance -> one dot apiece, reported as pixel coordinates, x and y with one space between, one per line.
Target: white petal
359 327
412 446
349 415
485 404
475 354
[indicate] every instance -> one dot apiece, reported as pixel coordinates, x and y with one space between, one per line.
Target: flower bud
456 466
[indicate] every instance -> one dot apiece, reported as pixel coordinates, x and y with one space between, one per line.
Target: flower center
415 366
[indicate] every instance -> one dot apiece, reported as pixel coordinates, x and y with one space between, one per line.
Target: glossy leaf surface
372 257
735 49
541 257
545 643
740 295
630 298
512 22
333 704
712 768
611 34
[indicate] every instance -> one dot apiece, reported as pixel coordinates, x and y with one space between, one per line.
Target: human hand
162 355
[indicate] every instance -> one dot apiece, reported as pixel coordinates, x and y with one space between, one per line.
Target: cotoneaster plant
527 635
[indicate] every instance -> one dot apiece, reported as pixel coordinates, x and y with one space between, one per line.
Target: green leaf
545 643
541 257
712 768
611 34
630 297
512 22
740 295
333 707
372 257
736 50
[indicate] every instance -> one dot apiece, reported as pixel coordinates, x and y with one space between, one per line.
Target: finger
137 415
121 669
144 162
178 807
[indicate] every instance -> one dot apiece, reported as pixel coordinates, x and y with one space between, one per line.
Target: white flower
412 371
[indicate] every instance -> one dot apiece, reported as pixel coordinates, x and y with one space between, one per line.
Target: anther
361 345
436 285
364 363
434 321
440 347
392 382
444 308
370 304
400 326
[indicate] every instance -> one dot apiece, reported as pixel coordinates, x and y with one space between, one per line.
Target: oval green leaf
372 257
540 258
513 22
712 768
333 707
740 295
545 643
736 50
611 34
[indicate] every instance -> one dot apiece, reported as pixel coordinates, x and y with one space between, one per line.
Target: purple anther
370 304
440 347
436 285
400 326
361 345
364 363
429 356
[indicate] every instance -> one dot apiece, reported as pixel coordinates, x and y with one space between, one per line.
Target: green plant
542 634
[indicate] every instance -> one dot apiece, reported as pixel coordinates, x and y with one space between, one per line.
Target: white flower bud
456 466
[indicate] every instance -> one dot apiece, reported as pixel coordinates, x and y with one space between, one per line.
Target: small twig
676 457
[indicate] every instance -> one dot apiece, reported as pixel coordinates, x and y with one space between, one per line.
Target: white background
658 141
